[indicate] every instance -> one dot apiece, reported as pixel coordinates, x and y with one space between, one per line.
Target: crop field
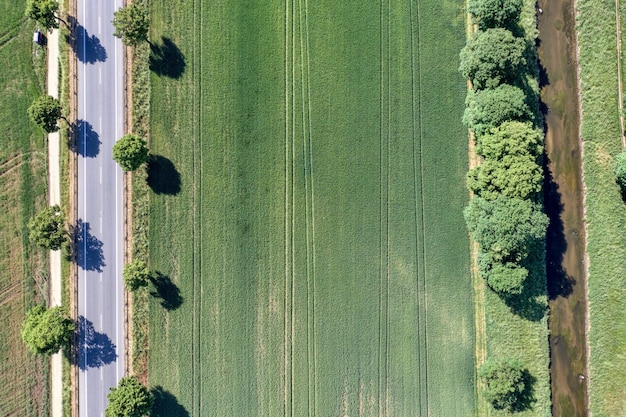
22 191
605 208
306 217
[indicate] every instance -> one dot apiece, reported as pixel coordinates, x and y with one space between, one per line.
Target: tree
516 176
44 12
492 57
507 279
136 274
487 109
505 382
47 228
131 24
506 228
46 111
511 139
495 13
129 399
620 169
130 151
47 330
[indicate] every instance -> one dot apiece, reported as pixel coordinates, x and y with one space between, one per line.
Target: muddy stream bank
563 200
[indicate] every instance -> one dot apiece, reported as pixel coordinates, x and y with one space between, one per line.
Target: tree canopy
44 12
136 274
506 228
507 279
505 382
517 176
47 330
129 399
131 24
620 169
495 13
46 112
487 109
130 151
492 57
47 228
511 138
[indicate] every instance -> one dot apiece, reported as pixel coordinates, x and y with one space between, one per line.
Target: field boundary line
312 182
419 214
198 207
287 175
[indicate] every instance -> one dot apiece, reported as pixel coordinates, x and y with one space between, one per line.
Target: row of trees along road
505 215
47 330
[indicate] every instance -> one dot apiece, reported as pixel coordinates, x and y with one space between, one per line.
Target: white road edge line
117 214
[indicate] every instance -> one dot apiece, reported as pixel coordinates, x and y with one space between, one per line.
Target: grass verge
605 209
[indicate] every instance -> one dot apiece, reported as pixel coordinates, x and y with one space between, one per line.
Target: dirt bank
563 199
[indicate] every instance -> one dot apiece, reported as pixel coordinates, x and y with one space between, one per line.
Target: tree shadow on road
167 291
88 249
166 59
95 349
88 49
87 140
166 404
163 177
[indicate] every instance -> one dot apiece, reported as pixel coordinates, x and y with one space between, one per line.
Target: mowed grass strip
605 209
298 237
22 192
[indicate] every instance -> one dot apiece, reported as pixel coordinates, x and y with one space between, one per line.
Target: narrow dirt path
54 184
618 38
563 201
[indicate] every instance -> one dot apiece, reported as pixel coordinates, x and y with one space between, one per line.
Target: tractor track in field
420 233
384 179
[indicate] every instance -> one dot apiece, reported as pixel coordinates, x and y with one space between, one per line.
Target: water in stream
563 200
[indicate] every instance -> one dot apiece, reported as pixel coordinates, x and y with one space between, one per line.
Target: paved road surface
99 226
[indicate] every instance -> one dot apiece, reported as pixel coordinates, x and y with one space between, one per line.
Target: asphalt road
100 218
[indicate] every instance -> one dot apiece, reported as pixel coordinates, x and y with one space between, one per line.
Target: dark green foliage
492 57
131 24
506 228
129 399
516 176
505 381
495 13
136 274
487 109
44 12
130 151
47 228
45 331
510 138
620 169
46 111
507 279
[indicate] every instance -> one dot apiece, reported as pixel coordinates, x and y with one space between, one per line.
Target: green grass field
605 210
23 391
316 235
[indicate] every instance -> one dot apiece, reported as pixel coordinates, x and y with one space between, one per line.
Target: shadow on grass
166 59
163 177
166 404
95 349
89 255
166 291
